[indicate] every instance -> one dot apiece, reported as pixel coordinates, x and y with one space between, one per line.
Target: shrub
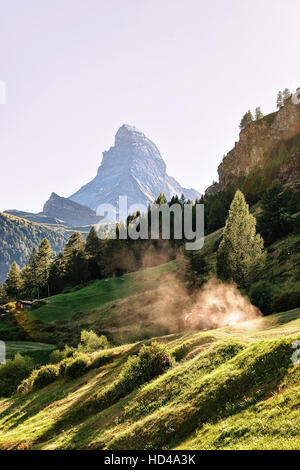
90 341
62 367
77 367
13 372
45 376
286 301
261 295
56 356
136 371
101 359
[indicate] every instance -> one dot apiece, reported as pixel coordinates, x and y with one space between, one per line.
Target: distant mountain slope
60 211
18 237
132 168
69 211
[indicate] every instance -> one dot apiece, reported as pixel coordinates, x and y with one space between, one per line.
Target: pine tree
246 120
13 281
279 102
44 259
217 215
75 262
94 254
240 254
56 274
258 114
30 275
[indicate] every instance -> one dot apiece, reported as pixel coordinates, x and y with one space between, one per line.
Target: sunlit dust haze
217 305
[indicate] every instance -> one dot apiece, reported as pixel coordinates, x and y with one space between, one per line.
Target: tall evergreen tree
240 254
56 274
44 259
75 262
246 120
30 275
94 253
13 281
217 215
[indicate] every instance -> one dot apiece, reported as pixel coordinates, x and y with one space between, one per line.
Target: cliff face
69 211
256 144
133 167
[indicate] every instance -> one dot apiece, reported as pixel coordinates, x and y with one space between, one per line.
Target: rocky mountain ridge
257 144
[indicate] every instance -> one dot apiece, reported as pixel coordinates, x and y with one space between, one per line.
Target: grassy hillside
39 352
234 387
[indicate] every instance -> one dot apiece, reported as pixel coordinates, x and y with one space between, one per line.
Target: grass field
230 388
39 352
63 306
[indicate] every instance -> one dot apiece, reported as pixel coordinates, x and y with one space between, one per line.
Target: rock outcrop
257 143
133 167
69 211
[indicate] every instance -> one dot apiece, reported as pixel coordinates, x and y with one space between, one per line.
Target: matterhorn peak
134 168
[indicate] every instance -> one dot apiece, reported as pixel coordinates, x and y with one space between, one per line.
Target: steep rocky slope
132 168
263 144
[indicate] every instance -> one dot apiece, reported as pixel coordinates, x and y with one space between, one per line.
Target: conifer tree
94 254
75 262
240 254
30 275
246 120
13 281
44 259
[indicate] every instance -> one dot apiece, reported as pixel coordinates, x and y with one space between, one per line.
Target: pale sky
182 71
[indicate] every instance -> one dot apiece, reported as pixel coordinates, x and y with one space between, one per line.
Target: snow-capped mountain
133 167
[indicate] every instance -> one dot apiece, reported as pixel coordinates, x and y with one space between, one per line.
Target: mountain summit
134 168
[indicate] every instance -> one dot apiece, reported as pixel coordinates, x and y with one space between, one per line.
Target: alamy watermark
2 92
187 222
2 353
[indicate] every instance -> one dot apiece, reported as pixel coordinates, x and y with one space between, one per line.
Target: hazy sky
182 71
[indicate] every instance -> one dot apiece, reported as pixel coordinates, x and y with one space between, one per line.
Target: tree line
87 260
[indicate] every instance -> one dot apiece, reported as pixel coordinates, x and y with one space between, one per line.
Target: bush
13 372
57 356
101 359
90 341
77 367
44 376
261 295
136 371
62 367
286 301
